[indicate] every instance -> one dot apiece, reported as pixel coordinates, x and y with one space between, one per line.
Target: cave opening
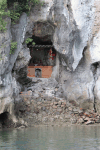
5 121
43 57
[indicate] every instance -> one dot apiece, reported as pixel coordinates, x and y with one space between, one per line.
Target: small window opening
38 73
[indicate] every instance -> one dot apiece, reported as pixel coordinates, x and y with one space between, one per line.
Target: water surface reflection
51 138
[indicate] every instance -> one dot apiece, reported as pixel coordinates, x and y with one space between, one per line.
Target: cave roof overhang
44 46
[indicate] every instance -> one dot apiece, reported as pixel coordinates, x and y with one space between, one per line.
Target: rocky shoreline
31 111
52 111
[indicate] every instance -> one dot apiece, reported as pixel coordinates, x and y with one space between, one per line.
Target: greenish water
51 138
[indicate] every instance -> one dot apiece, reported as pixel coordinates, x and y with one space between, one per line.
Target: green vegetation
28 40
18 6
3 12
13 9
13 47
33 43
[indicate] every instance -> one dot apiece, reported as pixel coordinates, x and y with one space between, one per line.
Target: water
51 138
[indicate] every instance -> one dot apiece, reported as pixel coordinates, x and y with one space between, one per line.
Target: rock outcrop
74 29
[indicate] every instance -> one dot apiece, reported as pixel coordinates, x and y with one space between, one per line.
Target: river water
51 138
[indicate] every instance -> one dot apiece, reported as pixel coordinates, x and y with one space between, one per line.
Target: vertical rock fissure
94 71
94 101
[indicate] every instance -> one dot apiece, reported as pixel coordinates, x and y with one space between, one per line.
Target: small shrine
43 58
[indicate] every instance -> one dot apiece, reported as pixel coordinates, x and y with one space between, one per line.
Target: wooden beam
44 46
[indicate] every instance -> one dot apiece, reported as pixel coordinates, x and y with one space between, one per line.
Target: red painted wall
46 71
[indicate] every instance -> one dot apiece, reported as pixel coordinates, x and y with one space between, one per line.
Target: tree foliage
3 12
13 9
18 6
29 40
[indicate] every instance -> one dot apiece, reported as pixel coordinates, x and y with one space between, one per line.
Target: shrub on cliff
3 12
18 6
13 9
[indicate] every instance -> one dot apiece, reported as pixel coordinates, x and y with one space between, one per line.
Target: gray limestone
73 28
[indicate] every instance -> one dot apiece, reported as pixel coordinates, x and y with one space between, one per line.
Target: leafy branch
13 9
13 47
29 40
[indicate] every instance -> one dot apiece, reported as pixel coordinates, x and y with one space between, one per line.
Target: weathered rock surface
74 29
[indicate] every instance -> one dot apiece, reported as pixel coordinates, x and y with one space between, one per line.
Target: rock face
74 29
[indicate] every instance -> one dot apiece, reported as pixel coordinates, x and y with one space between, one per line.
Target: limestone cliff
73 28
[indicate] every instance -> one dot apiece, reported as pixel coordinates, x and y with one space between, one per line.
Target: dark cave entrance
5 121
43 57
